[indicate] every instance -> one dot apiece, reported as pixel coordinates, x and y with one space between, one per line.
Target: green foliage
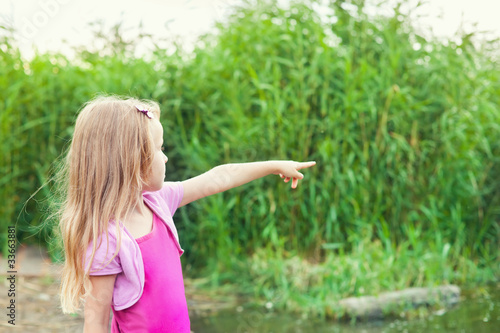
405 130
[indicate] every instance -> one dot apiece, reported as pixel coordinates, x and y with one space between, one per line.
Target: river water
477 312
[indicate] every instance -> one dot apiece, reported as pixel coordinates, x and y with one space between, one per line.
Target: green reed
405 130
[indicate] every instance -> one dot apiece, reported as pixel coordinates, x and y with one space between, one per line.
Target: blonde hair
103 173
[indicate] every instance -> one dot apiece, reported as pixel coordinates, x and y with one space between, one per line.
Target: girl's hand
289 170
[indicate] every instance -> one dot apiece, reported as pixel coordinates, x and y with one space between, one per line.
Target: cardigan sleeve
172 193
128 266
103 263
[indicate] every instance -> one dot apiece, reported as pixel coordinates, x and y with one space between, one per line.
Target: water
477 312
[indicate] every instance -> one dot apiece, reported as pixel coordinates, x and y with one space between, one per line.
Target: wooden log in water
390 303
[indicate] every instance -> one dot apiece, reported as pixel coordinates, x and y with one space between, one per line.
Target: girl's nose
166 158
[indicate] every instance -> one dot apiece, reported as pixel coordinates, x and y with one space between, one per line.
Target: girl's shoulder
110 239
111 231
110 249
169 196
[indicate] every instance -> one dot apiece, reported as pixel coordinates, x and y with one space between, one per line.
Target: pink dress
148 295
162 306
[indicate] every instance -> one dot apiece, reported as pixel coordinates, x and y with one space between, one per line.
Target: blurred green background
405 130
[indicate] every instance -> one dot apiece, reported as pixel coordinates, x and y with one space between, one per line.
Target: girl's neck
139 220
139 208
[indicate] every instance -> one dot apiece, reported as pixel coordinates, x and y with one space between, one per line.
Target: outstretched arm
227 176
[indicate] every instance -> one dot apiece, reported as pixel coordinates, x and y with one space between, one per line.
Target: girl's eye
162 148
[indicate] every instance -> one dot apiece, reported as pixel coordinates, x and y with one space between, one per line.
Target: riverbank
314 287
222 309
290 284
478 311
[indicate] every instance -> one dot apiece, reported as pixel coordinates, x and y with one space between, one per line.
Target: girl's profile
121 247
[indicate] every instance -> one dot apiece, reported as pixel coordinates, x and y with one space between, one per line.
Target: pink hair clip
145 111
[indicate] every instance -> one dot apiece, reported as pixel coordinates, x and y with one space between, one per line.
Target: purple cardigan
128 264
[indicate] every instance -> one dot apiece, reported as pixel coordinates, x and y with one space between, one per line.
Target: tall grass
405 130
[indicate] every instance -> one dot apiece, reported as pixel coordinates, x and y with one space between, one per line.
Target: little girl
122 250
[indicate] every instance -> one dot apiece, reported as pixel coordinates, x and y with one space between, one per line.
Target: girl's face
155 179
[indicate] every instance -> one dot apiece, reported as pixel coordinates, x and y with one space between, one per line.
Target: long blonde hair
104 170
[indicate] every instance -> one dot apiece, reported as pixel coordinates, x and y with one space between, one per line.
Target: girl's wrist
275 167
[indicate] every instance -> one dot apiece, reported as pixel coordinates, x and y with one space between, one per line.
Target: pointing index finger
304 165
